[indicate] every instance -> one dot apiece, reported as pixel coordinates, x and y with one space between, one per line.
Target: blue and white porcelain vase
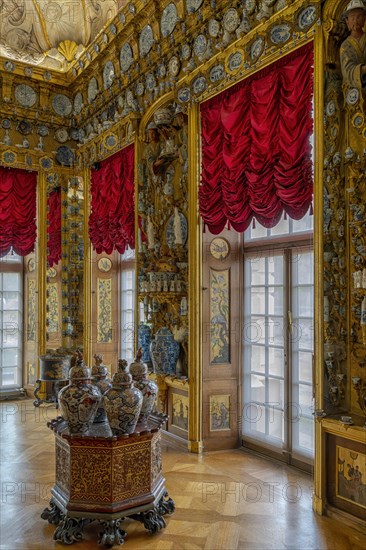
79 400
143 341
147 387
103 382
123 402
164 352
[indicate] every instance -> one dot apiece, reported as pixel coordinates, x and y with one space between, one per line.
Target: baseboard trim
174 441
14 393
345 517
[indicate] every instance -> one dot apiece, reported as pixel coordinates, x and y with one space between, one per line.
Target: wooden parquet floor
224 500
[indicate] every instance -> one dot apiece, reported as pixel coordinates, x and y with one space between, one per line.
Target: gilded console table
103 477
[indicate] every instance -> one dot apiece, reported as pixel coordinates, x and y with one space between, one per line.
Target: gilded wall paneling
105 309
221 339
340 379
195 259
30 341
162 234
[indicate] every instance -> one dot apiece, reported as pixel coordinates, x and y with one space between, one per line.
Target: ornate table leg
38 400
112 533
52 514
166 504
153 521
56 388
70 530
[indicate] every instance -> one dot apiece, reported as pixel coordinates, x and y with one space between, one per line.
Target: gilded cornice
118 136
192 58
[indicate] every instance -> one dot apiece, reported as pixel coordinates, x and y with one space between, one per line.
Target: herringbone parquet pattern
224 500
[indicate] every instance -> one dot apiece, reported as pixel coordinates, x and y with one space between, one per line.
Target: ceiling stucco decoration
52 33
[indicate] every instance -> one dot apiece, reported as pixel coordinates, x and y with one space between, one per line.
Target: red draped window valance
256 152
54 227
111 222
18 207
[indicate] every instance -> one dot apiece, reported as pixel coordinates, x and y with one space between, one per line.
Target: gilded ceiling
52 33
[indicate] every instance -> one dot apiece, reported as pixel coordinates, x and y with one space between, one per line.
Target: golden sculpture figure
353 49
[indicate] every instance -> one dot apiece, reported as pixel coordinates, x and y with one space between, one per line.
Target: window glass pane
305 224
127 313
275 270
276 423
275 300
10 357
129 298
305 296
303 334
11 300
258 303
11 281
275 331
11 337
11 323
257 272
305 267
305 366
256 232
305 400
258 358
306 433
11 258
256 330
276 360
254 417
275 394
8 376
282 228
257 384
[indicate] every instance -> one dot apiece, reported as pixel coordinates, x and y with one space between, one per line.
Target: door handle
290 324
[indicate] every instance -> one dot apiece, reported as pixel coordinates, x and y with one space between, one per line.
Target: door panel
278 351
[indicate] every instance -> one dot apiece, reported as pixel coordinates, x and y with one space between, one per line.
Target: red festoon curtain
18 204
256 152
54 227
111 222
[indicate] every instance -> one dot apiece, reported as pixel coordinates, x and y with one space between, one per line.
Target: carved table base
133 486
70 528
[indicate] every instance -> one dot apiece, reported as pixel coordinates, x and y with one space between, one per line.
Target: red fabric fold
54 228
111 222
18 204
256 153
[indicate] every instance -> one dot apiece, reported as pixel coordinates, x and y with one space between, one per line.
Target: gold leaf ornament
68 49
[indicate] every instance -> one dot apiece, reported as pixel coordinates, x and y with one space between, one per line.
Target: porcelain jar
143 341
103 382
147 387
123 402
54 366
79 400
164 352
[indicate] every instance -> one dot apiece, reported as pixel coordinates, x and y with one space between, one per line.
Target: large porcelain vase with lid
79 400
103 382
164 352
147 387
122 402
143 341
